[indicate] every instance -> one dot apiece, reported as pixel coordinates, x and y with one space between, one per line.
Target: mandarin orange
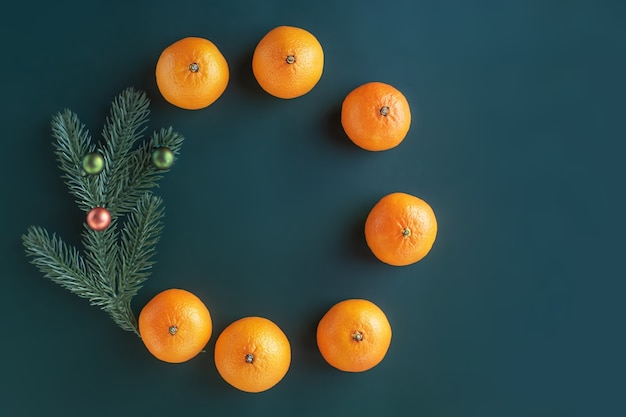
252 354
175 325
376 116
354 335
400 229
192 73
288 62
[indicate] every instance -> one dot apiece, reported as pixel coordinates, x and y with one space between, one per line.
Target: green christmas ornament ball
163 158
93 163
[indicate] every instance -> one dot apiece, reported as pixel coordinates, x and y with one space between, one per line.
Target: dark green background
517 142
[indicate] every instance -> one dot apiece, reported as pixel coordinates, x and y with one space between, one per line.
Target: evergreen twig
114 262
124 126
63 264
72 144
137 247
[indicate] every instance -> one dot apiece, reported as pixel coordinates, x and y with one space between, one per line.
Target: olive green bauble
163 158
93 163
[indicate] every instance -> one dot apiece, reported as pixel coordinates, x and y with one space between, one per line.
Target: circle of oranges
253 354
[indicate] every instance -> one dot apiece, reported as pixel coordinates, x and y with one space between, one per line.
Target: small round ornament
93 163
163 158
98 218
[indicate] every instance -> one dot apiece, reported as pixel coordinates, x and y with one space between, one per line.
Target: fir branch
128 263
62 264
137 247
72 144
124 126
114 264
65 266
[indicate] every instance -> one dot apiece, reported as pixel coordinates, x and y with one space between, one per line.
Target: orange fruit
354 335
288 62
252 354
192 73
400 229
175 325
376 116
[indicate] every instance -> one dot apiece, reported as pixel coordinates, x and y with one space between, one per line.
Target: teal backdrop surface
517 142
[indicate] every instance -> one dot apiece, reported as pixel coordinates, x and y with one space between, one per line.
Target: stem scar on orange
400 229
288 62
175 325
376 116
354 335
192 73
252 354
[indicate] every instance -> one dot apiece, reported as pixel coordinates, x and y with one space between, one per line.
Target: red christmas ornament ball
98 218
